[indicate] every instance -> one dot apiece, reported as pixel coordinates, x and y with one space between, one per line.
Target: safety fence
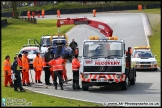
31 20
4 23
89 10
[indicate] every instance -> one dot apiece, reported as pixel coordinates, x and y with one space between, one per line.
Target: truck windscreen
103 49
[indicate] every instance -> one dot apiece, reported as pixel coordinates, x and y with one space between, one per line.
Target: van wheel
124 84
85 86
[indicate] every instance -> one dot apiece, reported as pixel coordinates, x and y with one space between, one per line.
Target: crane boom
103 27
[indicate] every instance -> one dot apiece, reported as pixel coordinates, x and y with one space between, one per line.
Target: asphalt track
127 26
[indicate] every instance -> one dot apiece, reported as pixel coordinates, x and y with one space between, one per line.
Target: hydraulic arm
103 27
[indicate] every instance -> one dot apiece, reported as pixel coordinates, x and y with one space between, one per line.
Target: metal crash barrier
31 20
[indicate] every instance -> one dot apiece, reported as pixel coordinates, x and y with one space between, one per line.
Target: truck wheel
85 86
155 69
124 84
132 81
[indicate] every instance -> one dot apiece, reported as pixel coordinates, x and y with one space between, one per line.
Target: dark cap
20 55
76 55
15 57
7 56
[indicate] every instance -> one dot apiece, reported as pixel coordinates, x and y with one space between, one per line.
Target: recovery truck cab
106 61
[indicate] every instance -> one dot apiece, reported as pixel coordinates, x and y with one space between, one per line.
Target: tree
15 12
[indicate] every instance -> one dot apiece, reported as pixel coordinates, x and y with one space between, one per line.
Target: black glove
6 72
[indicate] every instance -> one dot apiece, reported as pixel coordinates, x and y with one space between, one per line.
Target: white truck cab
103 62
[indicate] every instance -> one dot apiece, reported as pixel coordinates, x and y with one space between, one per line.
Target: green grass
148 11
14 36
43 100
155 42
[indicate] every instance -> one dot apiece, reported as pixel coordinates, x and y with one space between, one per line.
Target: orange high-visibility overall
94 12
28 14
25 69
42 13
58 13
75 64
64 70
33 14
38 66
7 72
52 63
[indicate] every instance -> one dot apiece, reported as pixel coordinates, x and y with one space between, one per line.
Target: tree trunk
14 6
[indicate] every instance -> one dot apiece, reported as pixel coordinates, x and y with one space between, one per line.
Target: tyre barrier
31 20
4 23
89 10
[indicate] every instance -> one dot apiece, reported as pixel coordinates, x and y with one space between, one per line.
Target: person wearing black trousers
16 72
48 56
75 69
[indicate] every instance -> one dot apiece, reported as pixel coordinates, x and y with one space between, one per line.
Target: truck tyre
85 86
124 84
155 69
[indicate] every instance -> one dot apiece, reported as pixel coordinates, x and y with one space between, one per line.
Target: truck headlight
118 76
85 75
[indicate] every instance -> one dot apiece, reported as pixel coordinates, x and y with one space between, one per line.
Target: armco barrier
89 10
4 23
31 20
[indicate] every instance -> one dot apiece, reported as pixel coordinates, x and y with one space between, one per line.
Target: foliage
78 5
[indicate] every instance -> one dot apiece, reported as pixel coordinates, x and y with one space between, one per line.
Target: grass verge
37 99
14 36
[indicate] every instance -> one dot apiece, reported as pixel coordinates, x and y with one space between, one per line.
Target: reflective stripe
46 66
75 69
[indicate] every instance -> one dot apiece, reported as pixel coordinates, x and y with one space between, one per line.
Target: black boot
28 84
61 87
11 85
39 81
74 86
56 87
77 86
35 81
24 84
55 84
